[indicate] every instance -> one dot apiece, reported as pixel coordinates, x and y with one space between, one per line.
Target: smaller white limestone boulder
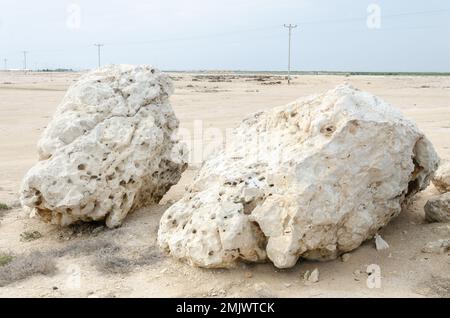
441 179
109 149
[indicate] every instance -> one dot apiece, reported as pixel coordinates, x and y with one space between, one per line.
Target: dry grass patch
24 266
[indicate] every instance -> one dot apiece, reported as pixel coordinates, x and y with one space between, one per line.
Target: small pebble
311 277
345 257
380 243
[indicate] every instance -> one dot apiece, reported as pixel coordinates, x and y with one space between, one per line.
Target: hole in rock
328 130
414 185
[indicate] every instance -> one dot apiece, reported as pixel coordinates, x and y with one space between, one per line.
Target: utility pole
25 60
6 63
290 27
99 45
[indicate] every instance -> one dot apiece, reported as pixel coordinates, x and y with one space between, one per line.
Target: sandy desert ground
92 261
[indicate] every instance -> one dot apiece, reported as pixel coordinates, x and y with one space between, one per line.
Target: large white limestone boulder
109 149
313 179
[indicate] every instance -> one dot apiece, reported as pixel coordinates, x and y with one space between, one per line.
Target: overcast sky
334 35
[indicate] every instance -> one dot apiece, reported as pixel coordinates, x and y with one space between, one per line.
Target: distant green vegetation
4 206
56 70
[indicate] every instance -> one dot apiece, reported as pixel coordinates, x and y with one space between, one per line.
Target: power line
384 16
303 24
250 30
290 27
99 46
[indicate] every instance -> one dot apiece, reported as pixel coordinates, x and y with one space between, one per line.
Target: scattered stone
29 236
248 275
308 180
437 209
380 244
346 257
109 150
437 247
441 178
311 277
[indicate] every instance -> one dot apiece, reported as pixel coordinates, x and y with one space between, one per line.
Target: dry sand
27 102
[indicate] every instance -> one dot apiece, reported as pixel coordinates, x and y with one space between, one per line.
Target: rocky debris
311 277
109 149
437 209
441 178
380 243
312 180
437 247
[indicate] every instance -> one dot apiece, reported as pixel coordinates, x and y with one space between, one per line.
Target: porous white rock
110 148
441 179
313 179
